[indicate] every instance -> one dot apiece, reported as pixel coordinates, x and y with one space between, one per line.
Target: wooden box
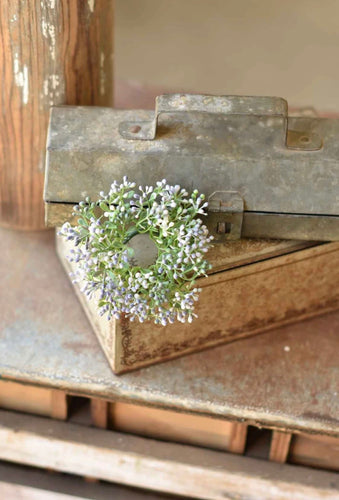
254 286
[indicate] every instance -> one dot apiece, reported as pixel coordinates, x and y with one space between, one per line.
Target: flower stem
130 233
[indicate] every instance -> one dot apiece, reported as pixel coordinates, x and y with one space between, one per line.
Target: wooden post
51 52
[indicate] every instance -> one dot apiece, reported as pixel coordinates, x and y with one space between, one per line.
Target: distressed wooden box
255 286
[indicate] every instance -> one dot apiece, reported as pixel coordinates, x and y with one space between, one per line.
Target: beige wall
288 48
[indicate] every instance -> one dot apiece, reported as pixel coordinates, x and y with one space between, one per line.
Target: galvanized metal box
266 175
256 285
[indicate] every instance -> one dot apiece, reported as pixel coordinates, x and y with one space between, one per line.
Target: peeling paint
51 32
91 5
25 89
45 85
44 28
21 78
55 81
48 32
52 89
48 3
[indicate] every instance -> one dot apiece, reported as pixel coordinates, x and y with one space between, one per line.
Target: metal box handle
222 105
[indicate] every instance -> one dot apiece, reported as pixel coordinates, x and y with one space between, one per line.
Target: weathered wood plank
52 52
167 467
280 446
37 400
315 451
99 413
18 492
24 483
178 427
59 405
237 442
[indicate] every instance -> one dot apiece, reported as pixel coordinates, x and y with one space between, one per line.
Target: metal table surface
287 378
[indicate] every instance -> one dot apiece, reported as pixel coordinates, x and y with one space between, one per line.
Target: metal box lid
266 175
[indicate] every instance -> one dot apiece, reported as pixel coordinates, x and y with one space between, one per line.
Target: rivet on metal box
267 176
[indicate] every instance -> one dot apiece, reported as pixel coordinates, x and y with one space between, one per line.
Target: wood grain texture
315 451
25 483
18 492
146 463
51 52
30 399
238 437
280 445
183 428
99 413
59 404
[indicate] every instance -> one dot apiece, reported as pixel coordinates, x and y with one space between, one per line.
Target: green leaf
130 252
104 207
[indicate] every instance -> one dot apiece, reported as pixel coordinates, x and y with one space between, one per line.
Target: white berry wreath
163 291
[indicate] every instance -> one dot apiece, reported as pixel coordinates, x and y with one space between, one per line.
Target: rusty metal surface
240 144
195 103
289 379
290 226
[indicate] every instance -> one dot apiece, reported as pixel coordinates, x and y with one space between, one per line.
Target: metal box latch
225 210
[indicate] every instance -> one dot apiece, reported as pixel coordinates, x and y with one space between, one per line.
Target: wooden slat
59 406
315 451
32 399
24 483
176 469
280 446
178 427
237 442
99 413
18 492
